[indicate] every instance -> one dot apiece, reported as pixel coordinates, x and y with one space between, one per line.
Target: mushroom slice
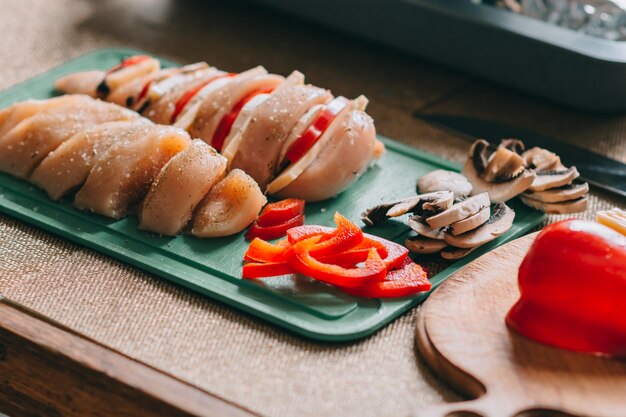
423 203
503 175
560 194
542 159
424 245
471 222
442 180
451 253
418 223
546 180
230 206
500 222
566 207
460 211
514 145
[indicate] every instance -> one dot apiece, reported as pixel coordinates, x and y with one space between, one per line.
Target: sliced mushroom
566 207
418 224
514 145
421 204
560 194
471 222
542 159
500 222
424 245
452 254
442 180
546 180
502 174
460 211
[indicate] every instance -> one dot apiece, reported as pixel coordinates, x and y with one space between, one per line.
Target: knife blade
598 170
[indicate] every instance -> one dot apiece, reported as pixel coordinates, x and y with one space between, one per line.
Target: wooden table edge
48 369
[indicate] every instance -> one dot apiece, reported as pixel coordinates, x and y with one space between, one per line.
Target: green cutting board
213 266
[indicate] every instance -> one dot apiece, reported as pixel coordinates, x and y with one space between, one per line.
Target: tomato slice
191 93
266 269
280 211
273 232
312 134
303 262
144 91
410 279
127 62
223 129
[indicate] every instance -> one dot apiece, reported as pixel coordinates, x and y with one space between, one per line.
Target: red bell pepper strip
253 270
304 263
280 212
346 236
273 232
410 279
223 128
300 233
572 289
262 251
127 62
313 133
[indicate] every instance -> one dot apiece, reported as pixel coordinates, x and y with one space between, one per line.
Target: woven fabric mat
195 339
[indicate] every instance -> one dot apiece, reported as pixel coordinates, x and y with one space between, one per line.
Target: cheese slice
614 218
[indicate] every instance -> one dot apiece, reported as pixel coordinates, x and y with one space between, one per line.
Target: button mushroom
442 180
500 222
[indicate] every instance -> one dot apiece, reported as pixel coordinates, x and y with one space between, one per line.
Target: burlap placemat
207 344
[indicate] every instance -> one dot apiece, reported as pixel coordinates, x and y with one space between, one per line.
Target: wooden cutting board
462 335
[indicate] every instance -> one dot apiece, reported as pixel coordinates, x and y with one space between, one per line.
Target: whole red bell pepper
573 289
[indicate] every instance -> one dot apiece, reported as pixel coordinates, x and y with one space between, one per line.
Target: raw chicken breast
14 114
231 205
344 157
122 175
212 111
67 167
165 94
179 188
28 143
262 141
85 82
127 94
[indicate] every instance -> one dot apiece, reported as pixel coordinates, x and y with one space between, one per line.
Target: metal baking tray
528 54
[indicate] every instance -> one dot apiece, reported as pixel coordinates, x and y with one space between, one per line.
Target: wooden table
81 334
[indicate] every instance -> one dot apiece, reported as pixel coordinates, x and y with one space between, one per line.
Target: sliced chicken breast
85 82
179 188
213 110
12 115
340 160
66 168
28 143
164 94
122 175
127 94
273 120
230 206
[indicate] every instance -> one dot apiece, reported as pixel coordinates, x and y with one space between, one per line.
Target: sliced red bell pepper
253 270
312 134
300 233
223 128
127 62
346 236
280 211
262 251
191 93
304 263
273 232
410 279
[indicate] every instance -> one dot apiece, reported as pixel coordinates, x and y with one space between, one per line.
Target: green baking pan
212 267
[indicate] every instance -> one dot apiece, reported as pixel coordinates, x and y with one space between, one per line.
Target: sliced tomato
191 93
144 91
127 62
254 270
312 134
408 280
274 232
303 262
223 129
280 211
